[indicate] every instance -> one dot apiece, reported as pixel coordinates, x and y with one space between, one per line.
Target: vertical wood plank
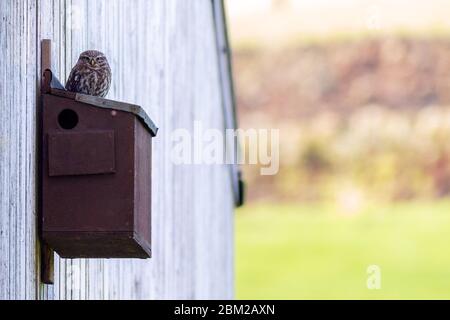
4 264
17 132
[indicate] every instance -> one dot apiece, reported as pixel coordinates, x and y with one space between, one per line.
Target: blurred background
360 91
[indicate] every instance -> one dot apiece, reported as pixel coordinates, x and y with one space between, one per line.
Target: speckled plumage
91 75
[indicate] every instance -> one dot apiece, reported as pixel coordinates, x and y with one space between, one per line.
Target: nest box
95 175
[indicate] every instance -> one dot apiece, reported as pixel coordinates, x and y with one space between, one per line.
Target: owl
91 75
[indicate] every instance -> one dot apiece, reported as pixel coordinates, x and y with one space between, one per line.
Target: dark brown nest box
96 176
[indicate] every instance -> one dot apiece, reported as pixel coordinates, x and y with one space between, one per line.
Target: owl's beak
92 62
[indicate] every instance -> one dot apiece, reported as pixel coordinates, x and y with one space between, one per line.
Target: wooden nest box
96 175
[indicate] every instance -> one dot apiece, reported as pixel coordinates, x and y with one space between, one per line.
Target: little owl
91 75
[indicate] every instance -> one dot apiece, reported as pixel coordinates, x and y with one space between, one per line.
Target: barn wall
164 57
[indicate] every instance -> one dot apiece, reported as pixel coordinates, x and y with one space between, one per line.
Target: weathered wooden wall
164 57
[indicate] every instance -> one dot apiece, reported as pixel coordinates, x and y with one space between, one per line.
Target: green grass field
313 252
